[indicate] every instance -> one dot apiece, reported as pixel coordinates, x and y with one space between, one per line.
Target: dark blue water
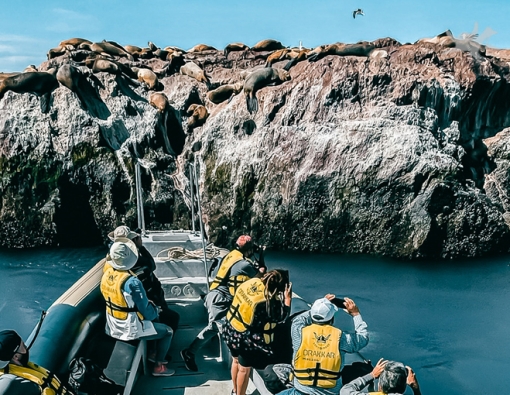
449 321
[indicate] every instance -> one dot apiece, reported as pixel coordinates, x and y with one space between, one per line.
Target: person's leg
234 370
169 317
243 377
163 336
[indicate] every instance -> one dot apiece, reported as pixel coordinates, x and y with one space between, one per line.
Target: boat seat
124 363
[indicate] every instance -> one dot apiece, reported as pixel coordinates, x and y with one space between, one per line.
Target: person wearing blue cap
319 348
19 376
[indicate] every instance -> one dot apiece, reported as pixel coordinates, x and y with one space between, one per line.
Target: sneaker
162 371
189 360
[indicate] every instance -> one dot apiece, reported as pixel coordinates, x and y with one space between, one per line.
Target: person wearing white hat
129 313
319 348
144 270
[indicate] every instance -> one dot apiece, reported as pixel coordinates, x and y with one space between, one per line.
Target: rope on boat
178 253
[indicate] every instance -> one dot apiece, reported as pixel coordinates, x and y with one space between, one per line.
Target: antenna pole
202 233
139 202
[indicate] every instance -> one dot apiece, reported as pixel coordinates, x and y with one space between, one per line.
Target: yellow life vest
242 310
377 393
318 360
232 282
47 381
111 288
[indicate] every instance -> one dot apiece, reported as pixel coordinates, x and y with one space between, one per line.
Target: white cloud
17 51
67 21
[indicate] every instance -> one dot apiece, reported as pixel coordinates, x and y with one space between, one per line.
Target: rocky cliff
401 153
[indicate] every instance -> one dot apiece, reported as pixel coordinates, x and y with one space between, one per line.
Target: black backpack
85 377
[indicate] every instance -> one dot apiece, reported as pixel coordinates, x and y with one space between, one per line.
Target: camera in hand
339 302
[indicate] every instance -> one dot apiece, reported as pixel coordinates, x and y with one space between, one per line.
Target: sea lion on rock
201 48
296 57
110 66
267 45
198 114
138 52
235 47
359 49
108 48
3 76
30 69
75 42
59 51
224 92
37 83
159 101
193 70
259 79
147 76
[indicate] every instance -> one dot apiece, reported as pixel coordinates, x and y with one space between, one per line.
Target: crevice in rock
74 218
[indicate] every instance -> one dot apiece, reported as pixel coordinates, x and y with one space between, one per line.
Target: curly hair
274 283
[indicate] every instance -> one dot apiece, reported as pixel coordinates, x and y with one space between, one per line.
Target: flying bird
359 11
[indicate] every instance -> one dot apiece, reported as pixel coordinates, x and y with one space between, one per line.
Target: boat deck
213 376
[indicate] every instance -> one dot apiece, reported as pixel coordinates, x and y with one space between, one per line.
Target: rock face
402 154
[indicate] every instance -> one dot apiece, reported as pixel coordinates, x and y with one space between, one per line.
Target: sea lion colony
76 60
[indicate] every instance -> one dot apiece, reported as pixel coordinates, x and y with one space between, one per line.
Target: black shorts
257 359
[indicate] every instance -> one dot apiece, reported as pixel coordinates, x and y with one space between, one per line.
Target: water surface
448 320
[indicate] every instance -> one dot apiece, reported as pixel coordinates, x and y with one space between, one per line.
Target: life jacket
47 381
242 310
377 393
223 277
318 361
111 288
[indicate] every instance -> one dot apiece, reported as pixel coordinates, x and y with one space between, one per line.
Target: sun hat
9 344
123 254
322 310
122 231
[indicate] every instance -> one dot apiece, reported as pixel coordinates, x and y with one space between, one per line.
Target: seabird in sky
359 11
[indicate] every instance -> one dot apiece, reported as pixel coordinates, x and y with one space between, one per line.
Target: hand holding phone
338 302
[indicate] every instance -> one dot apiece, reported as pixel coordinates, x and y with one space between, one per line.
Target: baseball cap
123 254
322 310
9 344
122 231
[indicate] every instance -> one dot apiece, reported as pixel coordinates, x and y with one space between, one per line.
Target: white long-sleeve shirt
349 343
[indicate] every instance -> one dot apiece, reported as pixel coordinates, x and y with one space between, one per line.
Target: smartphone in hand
339 302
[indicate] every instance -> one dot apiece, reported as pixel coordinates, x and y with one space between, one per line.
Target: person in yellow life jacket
19 376
129 313
236 267
259 307
319 348
393 380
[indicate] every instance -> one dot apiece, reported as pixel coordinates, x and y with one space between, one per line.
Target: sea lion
174 49
3 76
159 101
138 52
105 47
201 48
198 114
224 92
193 70
259 79
75 42
147 76
267 45
447 40
286 53
359 49
30 69
296 57
59 51
69 76
110 66
235 47
38 83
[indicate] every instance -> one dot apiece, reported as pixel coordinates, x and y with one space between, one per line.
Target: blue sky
30 28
